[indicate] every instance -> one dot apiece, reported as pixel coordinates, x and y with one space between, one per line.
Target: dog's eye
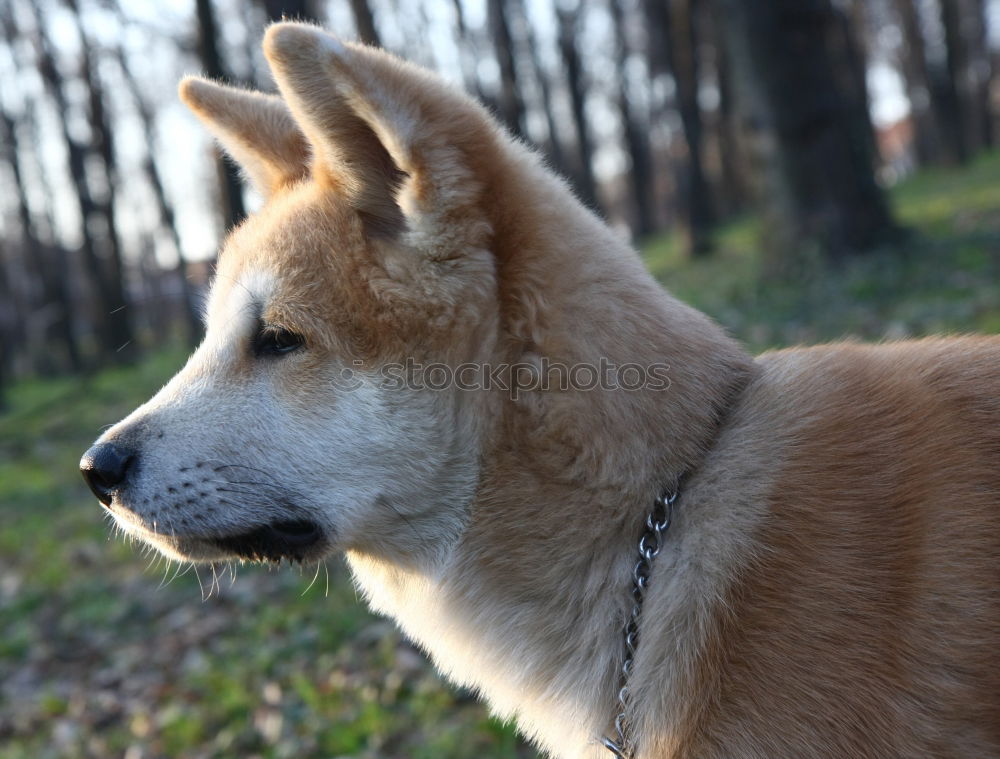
275 341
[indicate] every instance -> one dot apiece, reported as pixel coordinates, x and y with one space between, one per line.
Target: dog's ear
255 129
348 154
388 135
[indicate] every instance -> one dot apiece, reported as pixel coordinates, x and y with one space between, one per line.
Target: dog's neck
529 608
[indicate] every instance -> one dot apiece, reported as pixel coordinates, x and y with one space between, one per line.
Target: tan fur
864 621
258 130
829 586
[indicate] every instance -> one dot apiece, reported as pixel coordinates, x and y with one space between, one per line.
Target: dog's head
287 435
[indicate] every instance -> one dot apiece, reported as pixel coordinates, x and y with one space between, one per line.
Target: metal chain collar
650 543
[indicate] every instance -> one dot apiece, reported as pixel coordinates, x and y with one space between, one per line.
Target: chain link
657 523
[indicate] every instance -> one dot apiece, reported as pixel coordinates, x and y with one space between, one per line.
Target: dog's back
872 585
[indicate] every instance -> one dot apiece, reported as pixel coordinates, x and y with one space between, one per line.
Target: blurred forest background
664 115
799 169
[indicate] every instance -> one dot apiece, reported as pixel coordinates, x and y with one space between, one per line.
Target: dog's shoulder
872 475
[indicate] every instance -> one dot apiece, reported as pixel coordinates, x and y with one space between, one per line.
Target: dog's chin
292 540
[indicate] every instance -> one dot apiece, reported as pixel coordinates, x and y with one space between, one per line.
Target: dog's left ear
256 130
391 138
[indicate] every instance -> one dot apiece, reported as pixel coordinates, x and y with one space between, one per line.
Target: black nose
105 467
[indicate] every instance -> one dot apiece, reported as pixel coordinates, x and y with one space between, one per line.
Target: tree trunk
230 185
989 70
853 44
635 136
674 50
553 148
919 92
168 218
735 190
568 30
948 83
293 10
979 73
364 22
510 102
110 315
123 338
8 317
965 27
466 51
786 55
58 333
157 309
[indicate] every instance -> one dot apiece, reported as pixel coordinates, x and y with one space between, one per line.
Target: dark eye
275 341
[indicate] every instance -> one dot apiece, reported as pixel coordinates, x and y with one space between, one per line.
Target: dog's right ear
255 129
350 158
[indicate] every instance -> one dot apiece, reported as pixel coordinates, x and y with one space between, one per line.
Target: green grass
944 278
99 656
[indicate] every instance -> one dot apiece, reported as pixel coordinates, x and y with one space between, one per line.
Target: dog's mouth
293 539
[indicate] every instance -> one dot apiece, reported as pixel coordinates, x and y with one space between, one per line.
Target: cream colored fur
830 585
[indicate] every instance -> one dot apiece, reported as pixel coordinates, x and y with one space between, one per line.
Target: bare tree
56 307
230 186
467 51
734 184
788 56
168 218
674 50
364 22
919 91
510 104
122 336
301 10
553 147
982 72
114 331
950 80
7 320
634 133
584 172
852 47
969 67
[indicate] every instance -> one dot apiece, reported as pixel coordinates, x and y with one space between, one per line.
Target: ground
102 655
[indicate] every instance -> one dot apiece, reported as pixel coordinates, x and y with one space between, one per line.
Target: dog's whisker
163 580
215 581
254 483
240 466
315 577
178 566
201 586
214 481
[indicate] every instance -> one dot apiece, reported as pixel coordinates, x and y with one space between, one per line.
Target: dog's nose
105 467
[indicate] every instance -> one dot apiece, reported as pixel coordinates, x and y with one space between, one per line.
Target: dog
827 585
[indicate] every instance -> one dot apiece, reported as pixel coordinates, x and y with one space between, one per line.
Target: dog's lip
301 530
281 539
